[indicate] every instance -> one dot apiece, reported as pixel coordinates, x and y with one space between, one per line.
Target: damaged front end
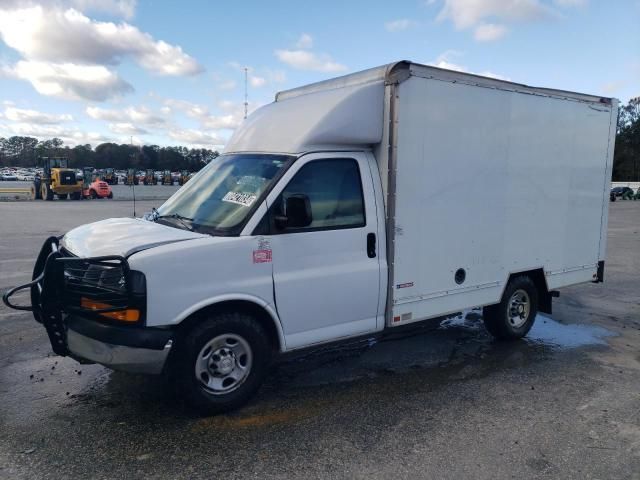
93 310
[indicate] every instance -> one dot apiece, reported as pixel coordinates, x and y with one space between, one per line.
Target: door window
334 189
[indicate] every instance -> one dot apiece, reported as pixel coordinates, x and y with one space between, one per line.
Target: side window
334 189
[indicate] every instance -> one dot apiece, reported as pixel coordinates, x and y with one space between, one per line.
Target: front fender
185 277
209 302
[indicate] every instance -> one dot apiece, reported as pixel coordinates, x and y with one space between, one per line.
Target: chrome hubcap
224 363
519 308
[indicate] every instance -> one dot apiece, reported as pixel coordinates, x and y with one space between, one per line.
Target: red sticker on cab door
262 256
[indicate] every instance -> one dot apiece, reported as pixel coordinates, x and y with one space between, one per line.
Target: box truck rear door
326 273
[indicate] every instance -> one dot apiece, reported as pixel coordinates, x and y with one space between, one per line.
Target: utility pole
246 102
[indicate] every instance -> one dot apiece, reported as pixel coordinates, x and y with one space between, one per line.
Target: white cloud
481 15
67 80
196 138
70 136
444 61
35 117
62 36
488 32
306 60
140 115
122 8
399 25
234 113
256 81
305 41
127 129
465 14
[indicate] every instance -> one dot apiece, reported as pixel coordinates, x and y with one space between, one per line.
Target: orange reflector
128 315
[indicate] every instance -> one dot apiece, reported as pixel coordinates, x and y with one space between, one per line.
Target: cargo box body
488 179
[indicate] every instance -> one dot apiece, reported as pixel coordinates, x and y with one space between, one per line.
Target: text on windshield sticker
244 199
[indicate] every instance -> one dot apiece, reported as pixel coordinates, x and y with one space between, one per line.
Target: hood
122 236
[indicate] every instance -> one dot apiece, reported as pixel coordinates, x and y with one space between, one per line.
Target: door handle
371 245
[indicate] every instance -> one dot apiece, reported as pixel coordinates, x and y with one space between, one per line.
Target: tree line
626 160
18 151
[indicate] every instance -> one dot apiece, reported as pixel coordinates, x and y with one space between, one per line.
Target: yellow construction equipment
167 179
150 178
56 179
132 177
184 177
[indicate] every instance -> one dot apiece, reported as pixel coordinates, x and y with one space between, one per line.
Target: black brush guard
60 281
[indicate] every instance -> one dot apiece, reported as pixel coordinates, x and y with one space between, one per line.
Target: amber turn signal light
128 315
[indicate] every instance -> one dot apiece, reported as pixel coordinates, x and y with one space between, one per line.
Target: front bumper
135 350
60 281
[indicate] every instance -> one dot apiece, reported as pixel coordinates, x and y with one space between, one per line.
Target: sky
172 73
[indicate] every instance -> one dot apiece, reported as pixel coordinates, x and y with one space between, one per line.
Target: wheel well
538 278
253 309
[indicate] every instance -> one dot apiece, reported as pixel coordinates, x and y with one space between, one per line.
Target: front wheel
513 317
221 362
46 192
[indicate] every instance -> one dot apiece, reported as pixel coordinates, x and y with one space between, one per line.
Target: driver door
326 275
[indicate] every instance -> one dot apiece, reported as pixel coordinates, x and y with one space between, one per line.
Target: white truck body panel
349 116
494 182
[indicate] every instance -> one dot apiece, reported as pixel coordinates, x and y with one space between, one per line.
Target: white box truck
345 208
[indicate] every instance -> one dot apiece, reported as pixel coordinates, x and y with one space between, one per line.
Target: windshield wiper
176 216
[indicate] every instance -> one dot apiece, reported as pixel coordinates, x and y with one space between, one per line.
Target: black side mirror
297 212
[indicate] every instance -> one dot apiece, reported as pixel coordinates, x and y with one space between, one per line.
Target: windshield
221 196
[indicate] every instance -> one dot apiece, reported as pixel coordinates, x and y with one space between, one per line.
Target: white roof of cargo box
347 111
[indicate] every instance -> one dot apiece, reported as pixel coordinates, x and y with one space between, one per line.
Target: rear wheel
93 194
76 196
63 196
513 317
221 362
110 195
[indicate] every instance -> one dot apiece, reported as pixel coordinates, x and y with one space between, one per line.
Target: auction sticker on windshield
244 199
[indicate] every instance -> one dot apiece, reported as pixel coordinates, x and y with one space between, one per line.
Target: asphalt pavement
446 402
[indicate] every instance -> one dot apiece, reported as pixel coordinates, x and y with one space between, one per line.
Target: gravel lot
447 402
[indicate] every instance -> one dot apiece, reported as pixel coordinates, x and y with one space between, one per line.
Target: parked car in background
620 191
8 176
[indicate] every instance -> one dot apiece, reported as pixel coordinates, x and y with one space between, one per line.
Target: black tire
110 195
63 196
93 194
511 319
190 346
36 185
48 194
76 196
